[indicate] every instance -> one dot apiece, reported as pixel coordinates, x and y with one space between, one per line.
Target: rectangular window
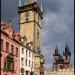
29 63
26 62
22 70
32 63
22 59
12 49
26 53
8 65
7 47
12 66
29 54
16 51
22 50
1 44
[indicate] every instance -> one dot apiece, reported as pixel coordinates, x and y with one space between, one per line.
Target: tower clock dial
27 13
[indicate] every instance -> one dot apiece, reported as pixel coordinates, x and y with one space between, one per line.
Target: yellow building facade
30 17
69 71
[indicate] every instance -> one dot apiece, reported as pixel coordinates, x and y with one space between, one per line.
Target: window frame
12 49
7 46
1 44
22 50
17 51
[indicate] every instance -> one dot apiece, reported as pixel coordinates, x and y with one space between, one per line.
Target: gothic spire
56 51
66 48
19 3
67 52
41 8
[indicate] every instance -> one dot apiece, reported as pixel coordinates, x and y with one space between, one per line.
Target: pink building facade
9 51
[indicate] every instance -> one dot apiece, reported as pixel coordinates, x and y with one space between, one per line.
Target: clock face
27 13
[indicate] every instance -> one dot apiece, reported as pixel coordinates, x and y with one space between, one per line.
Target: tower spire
19 3
41 8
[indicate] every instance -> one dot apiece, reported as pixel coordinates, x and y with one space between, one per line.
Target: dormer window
29 45
22 40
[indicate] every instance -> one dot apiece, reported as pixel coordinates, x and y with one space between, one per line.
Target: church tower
67 57
56 57
30 21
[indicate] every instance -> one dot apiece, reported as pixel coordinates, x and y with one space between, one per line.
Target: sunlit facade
9 51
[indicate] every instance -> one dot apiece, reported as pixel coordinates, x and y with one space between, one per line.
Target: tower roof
56 52
33 6
67 52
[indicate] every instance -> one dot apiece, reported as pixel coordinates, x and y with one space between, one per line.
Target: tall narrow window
22 70
7 47
26 62
16 51
26 53
22 59
37 34
29 54
1 44
29 63
22 50
12 49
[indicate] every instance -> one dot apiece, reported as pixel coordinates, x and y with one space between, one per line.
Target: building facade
26 60
30 20
9 51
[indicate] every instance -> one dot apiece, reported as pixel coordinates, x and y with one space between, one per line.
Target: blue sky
57 27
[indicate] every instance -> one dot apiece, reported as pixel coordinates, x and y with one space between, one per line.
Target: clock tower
30 21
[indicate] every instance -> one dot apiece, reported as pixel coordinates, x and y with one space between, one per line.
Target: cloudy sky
57 29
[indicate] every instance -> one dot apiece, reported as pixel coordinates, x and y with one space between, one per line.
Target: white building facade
26 60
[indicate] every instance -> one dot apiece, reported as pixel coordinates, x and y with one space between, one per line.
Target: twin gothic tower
30 21
62 62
